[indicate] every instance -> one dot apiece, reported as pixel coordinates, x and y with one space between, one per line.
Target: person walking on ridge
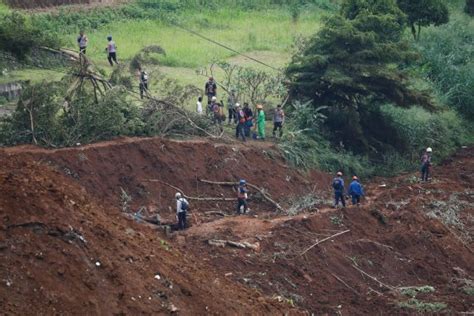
278 121
182 206
242 195
248 119
82 41
231 102
143 86
426 164
338 186
260 122
355 190
111 50
210 89
240 117
199 106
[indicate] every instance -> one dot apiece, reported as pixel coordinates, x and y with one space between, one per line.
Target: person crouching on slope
242 197
182 207
338 186
355 191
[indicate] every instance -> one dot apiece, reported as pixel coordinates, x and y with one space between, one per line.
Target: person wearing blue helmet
111 51
242 195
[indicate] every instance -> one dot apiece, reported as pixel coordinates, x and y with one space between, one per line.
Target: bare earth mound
67 246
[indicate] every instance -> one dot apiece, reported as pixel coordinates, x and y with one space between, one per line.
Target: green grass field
271 30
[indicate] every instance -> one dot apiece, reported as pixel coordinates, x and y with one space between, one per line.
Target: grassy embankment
266 34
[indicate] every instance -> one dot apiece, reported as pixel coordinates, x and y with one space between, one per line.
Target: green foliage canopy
351 65
423 13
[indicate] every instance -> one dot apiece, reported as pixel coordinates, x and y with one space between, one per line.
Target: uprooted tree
351 66
85 107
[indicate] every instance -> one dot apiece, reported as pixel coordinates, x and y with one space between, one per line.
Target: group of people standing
111 48
243 117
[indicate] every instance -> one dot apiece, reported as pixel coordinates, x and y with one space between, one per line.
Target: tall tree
351 67
469 7
423 13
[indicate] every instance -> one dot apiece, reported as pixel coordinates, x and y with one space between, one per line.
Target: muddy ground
69 243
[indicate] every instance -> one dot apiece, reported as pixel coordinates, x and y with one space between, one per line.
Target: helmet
242 182
339 173
355 178
259 107
211 78
237 105
177 195
214 99
429 150
109 37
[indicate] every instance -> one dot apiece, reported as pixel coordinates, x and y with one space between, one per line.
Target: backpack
184 205
144 76
337 184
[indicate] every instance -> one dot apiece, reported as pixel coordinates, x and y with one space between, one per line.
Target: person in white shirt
82 41
111 50
182 205
199 106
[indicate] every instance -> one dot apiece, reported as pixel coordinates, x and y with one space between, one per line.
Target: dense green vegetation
365 97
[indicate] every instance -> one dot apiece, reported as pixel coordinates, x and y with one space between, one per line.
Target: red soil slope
60 215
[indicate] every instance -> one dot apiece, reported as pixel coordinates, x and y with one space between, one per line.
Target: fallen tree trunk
323 240
260 190
192 197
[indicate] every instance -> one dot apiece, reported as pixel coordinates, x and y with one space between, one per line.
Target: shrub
448 60
18 36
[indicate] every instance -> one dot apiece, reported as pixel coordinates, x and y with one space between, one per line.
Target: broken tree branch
323 240
373 278
262 192
192 197
345 284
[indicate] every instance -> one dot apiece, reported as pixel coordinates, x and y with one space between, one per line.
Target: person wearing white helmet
211 105
338 186
182 206
426 164
242 195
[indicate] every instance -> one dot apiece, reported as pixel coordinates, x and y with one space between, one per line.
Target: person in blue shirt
242 195
355 190
338 186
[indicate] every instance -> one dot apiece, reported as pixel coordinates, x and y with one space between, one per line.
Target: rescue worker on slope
338 186
182 206
111 50
260 122
210 89
143 77
242 195
82 42
240 117
426 164
355 191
